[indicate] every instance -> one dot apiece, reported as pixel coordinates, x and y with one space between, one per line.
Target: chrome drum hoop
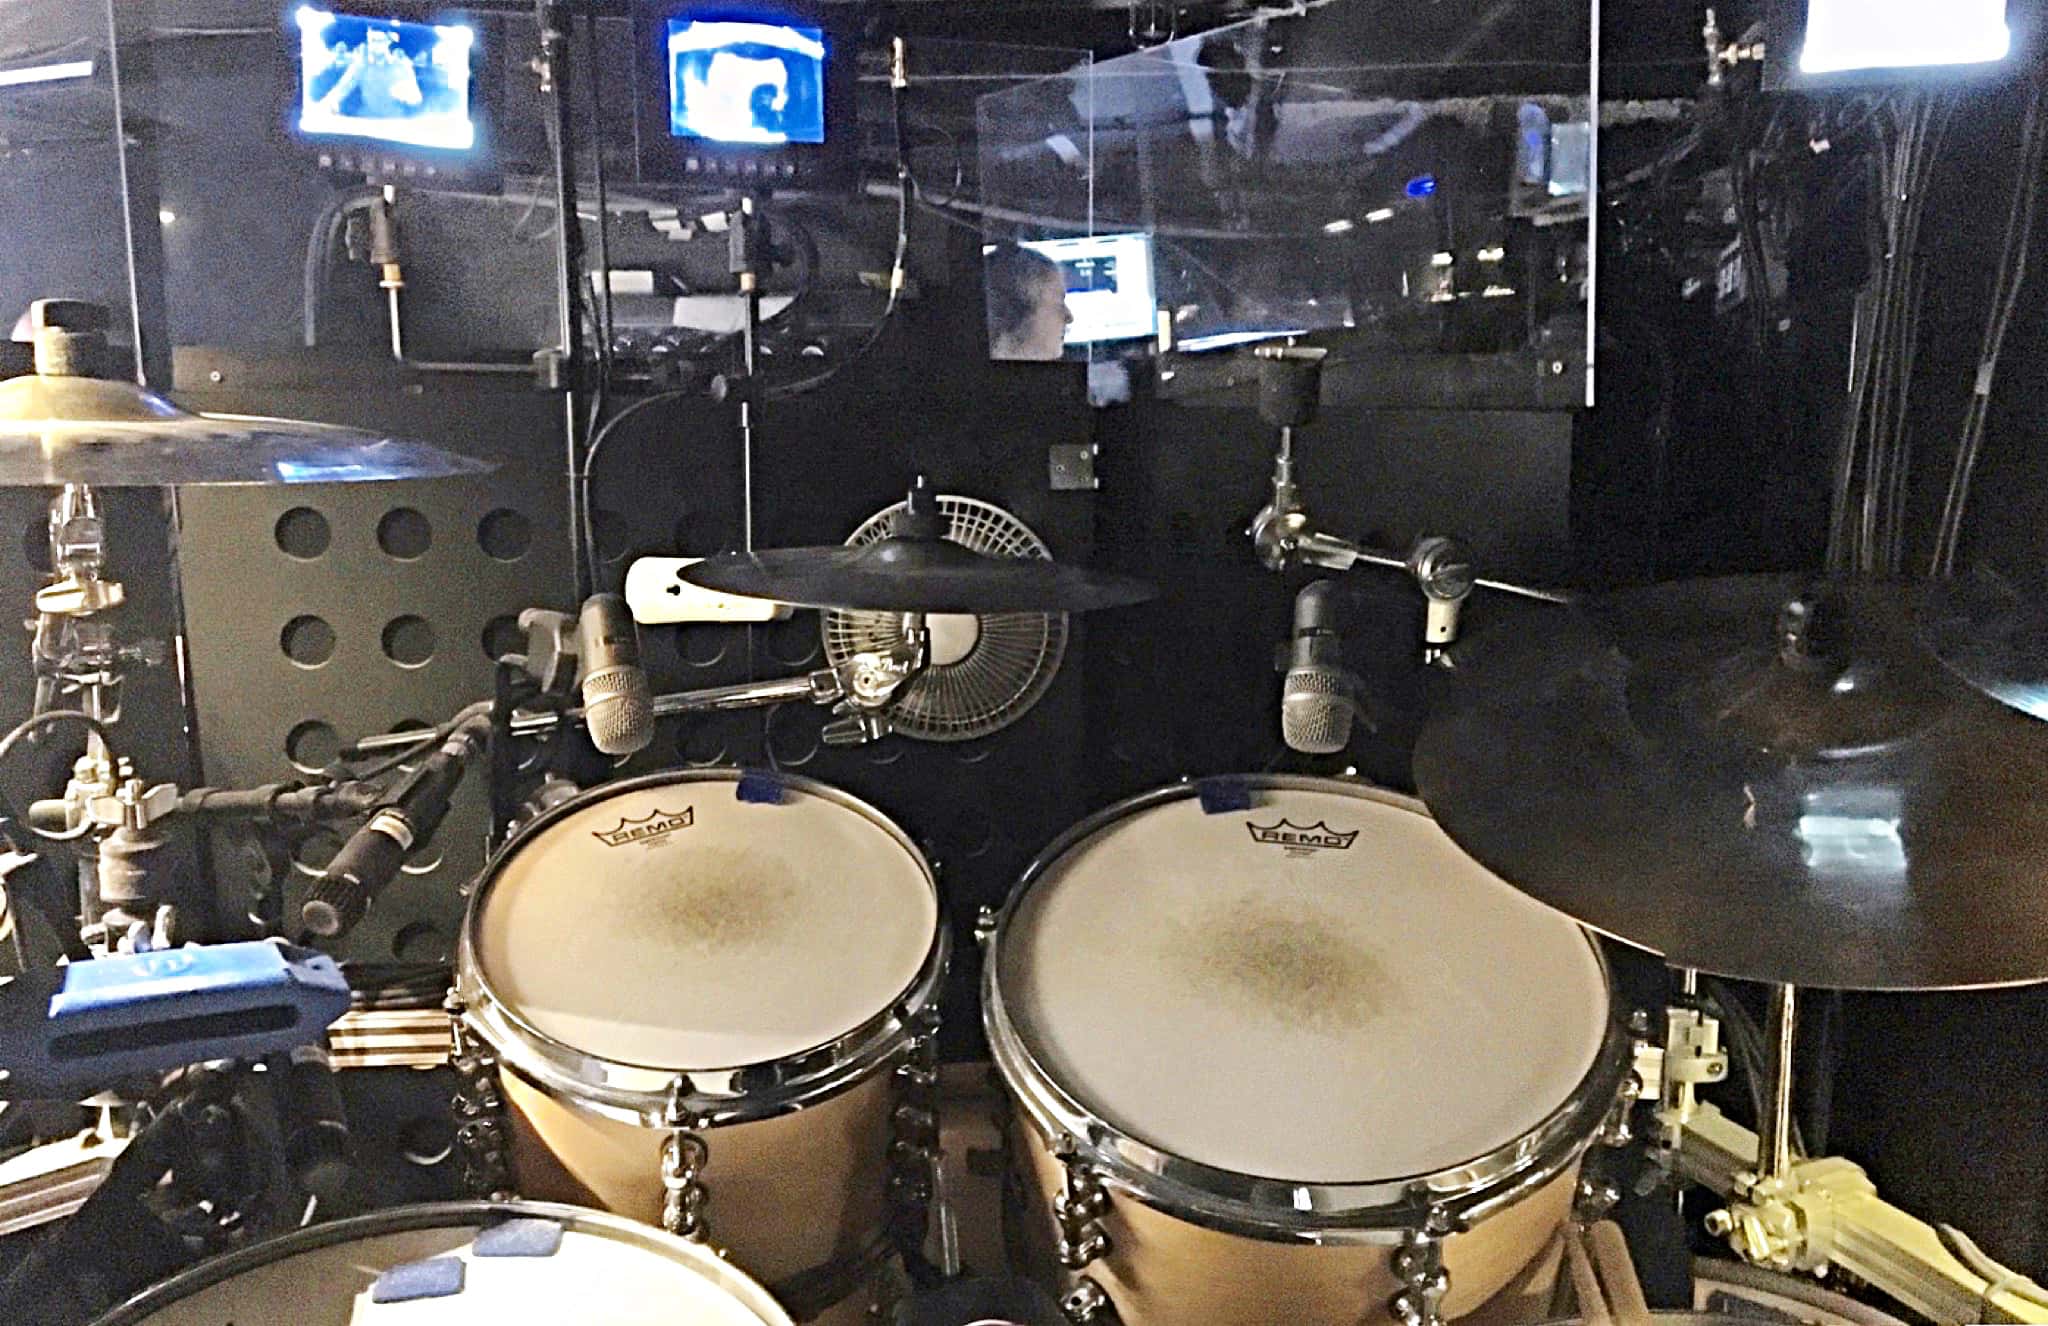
641 1093
404 1220
1375 1211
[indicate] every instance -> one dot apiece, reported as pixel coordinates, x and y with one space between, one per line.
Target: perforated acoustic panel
321 613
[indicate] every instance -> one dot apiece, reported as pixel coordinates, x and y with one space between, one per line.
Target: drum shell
786 1194
1188 1241
799 1148
1162 1270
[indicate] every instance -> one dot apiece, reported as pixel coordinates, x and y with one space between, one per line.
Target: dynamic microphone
314 1123
370 859
1321 696
618 707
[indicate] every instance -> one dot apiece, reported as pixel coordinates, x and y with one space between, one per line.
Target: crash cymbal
1755 778
1993 638
58 430
915 569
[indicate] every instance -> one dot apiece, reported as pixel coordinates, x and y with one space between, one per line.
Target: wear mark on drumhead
1292 965
729 898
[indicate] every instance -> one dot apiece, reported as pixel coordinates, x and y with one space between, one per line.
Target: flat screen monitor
1108 283
746 81
386 80
1845 35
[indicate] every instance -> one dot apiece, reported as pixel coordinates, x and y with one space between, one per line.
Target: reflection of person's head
1027 304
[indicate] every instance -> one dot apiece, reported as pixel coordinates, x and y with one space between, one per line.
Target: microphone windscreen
1316 708
618 708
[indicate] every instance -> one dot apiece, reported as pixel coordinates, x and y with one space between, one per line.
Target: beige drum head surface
1320 990
591 1280
678 927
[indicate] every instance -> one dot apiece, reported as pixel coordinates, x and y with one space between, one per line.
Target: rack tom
1282 1053
697 986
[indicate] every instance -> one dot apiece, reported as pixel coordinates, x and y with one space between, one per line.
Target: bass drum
603 1271
1262 1031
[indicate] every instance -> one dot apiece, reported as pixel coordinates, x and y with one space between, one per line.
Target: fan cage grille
1013 661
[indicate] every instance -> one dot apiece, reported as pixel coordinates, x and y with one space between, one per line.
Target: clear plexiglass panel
1418 174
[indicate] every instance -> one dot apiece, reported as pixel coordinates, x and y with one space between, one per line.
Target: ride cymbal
1757 778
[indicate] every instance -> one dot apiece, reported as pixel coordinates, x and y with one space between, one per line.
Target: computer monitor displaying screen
1109 285
1844 35
386 80
743 81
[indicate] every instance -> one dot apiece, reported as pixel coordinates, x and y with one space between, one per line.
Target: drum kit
1276 1048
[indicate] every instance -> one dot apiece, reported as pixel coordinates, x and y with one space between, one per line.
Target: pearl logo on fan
1298 838
655 824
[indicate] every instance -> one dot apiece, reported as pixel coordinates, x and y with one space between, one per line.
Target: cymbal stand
1284 535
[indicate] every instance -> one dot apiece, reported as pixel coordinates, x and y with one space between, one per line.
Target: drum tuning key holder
1285 535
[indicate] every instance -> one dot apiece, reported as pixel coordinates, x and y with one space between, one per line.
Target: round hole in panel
502 636
302 533
311 853
794 643
404 534
504 534
884 752
701 644
794 736
971 835
427 1139
312 746
699 743
408 641
973 752
614 533
419 941
307 640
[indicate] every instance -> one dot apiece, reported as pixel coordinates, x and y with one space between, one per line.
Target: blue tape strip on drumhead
438 1277
527 1237
759 788
1220 796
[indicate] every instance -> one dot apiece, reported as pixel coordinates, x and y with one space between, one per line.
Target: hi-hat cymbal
915 569
58 430
900 574
1757 779
1993 638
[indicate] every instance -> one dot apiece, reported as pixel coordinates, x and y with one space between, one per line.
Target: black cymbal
1993 638
1756 779
58 430
910 574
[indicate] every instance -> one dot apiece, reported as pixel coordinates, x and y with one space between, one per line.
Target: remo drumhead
1321 989
605 1271
667 923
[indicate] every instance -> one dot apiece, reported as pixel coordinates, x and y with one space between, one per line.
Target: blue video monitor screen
385 79
744 81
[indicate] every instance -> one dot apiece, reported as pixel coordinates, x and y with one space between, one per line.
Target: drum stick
1617 1271
1585 1283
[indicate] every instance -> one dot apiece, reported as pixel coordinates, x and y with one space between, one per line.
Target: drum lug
986 920
1087 1302
481 1133
1419 1263
683 1157
1082 1203
914 1133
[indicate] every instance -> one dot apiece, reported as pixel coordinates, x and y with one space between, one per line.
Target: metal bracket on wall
1071 468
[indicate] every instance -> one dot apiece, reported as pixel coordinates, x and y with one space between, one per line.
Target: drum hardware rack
1797 1215
860 689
